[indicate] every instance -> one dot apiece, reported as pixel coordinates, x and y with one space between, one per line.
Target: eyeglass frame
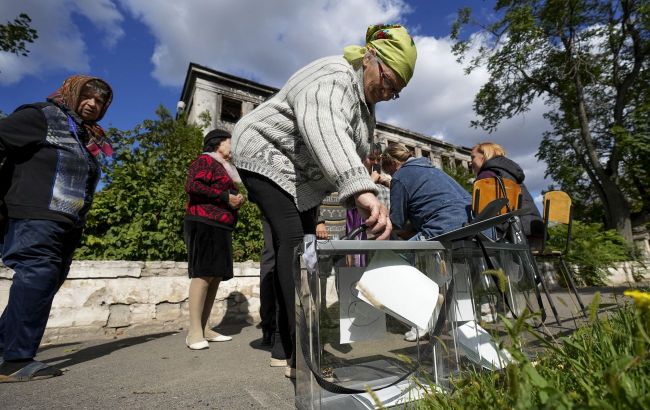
391 84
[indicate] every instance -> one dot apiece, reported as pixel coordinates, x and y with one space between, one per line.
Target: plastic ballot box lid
393 285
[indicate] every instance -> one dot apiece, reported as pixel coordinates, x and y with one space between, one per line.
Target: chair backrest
488 189
557 209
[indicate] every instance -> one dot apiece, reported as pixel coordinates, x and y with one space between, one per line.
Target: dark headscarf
68 96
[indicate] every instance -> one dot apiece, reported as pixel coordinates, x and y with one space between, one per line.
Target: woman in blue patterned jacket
48 178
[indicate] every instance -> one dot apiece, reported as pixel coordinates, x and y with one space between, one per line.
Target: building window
230 109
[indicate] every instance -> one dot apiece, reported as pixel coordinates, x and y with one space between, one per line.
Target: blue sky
143 47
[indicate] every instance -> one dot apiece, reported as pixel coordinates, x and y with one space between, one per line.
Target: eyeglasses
391 85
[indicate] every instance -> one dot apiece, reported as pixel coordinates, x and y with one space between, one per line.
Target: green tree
248 237
15 35
588 60
138 215
461 175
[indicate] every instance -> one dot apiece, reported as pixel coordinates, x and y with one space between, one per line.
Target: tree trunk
618 211
617 208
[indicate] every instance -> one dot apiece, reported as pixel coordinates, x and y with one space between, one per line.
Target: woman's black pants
288 226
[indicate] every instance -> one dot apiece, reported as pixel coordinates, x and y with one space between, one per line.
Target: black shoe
267 339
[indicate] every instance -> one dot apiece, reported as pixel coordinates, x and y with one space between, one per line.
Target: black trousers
288 226
268 304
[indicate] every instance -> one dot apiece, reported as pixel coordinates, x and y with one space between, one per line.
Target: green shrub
604 365
592 250
461 175
138 214
248 238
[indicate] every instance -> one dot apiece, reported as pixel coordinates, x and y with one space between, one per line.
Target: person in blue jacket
423 199
48 181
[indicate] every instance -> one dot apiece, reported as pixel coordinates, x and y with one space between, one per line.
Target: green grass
603 365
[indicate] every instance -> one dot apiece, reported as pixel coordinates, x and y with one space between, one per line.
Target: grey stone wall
110 298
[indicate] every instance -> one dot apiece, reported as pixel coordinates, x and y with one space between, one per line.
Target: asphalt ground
159 371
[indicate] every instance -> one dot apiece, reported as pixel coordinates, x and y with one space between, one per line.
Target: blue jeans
40 253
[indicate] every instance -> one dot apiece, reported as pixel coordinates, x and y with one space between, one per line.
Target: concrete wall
622 274
104 299
110 298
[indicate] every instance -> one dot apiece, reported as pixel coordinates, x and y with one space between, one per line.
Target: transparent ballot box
355 302
503 289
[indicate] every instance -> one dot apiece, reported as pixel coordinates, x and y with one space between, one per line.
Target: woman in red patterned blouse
210 218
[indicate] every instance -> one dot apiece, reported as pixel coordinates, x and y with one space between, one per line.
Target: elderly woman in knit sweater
309 139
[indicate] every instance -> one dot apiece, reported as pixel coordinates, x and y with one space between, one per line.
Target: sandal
32 370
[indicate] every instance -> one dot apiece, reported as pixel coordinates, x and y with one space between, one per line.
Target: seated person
489 160
424 195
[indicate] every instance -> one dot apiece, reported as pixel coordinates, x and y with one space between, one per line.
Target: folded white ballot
391 284
480 347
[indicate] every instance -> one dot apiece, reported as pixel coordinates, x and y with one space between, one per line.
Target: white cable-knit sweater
309 138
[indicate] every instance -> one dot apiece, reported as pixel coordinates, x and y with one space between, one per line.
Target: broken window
230 110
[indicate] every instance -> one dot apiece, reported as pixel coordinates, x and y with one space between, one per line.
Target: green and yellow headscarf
393 45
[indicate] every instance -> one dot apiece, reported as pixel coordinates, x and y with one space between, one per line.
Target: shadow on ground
76 356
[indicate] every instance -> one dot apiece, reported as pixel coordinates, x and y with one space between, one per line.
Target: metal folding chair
488 190
558 210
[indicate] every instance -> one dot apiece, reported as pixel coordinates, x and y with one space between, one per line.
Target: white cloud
105 16
60 45
266 40
279 37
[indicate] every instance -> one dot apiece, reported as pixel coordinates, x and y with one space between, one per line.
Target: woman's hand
381 179
235 201
375 215
321 231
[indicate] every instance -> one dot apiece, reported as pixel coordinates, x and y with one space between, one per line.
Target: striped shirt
310 137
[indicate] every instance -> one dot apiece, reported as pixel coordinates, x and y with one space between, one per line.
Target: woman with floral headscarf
309 140
49 177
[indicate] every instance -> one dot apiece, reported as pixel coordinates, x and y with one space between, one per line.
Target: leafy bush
461 175
604 365
592 249
138 215
248 237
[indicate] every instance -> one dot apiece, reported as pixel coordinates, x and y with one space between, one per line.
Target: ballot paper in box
393 285
479 347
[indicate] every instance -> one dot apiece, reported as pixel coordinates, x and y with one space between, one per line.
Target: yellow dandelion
641 299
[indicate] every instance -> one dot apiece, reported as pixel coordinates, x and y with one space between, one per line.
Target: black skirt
209 250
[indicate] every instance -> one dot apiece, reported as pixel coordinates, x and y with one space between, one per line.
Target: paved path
158 371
